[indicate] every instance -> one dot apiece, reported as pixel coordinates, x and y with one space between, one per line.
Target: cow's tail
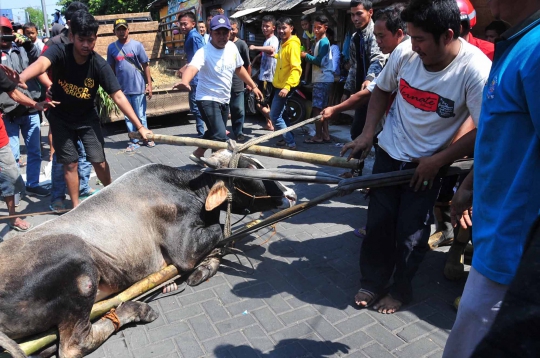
11 346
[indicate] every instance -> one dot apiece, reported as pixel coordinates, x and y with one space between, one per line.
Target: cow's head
253 194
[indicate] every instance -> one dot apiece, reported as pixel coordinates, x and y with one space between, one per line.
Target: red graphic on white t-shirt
426 101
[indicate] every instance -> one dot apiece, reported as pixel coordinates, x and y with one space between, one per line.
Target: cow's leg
188 258
81 337
206 268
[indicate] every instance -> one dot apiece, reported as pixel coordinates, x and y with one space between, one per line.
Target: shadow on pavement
286 348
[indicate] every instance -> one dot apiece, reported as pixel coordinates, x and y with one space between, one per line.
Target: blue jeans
280 117
138 102
199 123
58 190
215 116
238 112
29 127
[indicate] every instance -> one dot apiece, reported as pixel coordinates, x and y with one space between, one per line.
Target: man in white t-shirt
439 80
215 63
268 65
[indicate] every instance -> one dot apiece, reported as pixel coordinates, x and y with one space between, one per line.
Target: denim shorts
321 93
11 181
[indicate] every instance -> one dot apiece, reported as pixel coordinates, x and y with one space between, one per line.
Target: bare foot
269 126
170 287
387 305
364 298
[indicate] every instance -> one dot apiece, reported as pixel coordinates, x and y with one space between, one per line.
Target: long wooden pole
100 308
313 158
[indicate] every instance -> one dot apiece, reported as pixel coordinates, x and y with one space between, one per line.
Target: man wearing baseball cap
215 63
130 65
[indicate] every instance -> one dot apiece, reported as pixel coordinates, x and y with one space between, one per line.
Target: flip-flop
197 160
311 141
18 228
360 232
372 298
149 144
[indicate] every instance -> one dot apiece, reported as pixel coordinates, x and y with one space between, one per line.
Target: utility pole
45 18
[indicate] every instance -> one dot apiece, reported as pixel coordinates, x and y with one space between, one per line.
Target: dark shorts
65 137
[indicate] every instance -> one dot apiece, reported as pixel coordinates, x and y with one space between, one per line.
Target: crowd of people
420 84
425 94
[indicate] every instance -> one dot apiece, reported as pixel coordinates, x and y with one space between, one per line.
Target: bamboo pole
100 308
313 158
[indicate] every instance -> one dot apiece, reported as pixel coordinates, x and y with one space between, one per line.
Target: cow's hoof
206 269
131 311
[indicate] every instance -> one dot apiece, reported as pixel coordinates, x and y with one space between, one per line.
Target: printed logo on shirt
222 66
491 89
426 101
89 82
74 90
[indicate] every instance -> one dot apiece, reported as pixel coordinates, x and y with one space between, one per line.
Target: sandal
89 194
149 144
58 207
372 297
313 141
281 143
132 146
20 228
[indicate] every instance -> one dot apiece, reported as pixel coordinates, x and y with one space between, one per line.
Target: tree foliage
106 7
36 16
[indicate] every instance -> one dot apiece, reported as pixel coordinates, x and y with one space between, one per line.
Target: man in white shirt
215 63
268 65
439 79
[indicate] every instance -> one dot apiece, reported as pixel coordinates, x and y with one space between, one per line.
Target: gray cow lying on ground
149 218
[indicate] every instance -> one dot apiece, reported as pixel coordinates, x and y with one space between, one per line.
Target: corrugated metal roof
270 5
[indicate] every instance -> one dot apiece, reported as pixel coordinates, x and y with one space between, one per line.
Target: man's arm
41 65
323 51
266 49
187 76
358 99
428 167
121 101
242 73
363 143
376 61
21 98
146 70
350 83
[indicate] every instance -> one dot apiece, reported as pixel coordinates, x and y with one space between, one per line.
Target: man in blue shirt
193 42
130 64
506 174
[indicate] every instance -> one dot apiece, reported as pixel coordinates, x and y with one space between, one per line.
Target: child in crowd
323 77
308 40
287 76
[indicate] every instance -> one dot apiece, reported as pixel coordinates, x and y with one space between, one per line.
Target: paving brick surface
299 300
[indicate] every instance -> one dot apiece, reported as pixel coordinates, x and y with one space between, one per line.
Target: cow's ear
216 197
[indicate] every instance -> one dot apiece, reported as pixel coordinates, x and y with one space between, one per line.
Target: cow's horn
211 162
